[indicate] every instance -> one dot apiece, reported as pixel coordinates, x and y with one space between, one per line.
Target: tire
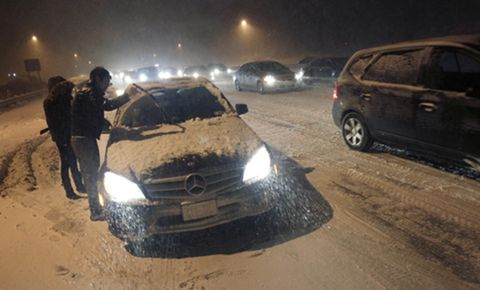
237 86
260 88
355 132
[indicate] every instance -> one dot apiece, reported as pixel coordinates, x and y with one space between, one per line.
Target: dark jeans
69 162
86 150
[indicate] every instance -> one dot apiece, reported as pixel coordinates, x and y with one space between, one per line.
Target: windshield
172 106
272 67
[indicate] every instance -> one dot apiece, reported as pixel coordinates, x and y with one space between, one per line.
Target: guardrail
24 97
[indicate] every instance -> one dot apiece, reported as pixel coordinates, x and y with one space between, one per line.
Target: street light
34 38
75 55
244 23
179 45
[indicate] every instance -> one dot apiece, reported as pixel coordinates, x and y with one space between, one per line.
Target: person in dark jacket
57 114
88 120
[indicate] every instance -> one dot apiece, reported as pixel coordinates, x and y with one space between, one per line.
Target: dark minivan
423 95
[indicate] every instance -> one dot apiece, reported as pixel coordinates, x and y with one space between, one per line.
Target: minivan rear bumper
337 112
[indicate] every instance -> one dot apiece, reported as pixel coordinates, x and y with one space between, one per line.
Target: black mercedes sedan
179 158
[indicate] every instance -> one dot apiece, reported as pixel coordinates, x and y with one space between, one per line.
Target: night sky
126 34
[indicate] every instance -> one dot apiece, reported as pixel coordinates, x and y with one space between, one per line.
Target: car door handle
366 97
428 107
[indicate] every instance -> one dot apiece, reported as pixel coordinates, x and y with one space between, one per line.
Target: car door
240 76
252 77
390 83
448 114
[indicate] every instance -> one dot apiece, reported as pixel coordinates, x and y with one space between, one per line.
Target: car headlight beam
258 167
270 80
143 77
120 189
299 75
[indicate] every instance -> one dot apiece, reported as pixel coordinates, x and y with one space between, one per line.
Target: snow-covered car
179 158
422 95
196 71
322 69
264 76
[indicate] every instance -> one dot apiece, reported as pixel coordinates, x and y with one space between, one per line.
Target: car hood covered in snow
145 152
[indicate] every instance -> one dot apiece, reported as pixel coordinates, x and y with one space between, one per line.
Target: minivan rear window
397 67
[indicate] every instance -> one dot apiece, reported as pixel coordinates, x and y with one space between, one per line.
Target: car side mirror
241 109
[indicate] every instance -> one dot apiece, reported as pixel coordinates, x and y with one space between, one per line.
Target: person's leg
86 150
77 176
64 165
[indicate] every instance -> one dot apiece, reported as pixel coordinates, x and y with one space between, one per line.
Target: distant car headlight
143 77
164 75
180 73
270 80
216 71
121 189
299 75
229 71
258 167
128 79
195 75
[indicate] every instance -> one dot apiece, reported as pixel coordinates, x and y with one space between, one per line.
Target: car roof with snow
472 41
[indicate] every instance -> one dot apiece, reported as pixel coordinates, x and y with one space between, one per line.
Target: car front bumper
280 85
137 221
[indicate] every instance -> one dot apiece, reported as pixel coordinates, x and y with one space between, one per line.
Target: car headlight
121 189
270 80
258 167
164 75
143 77
299 75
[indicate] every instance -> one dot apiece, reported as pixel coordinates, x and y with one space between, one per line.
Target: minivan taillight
335 92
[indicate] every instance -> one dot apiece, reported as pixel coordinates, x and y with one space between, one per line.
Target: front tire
355 132
260 88
237 86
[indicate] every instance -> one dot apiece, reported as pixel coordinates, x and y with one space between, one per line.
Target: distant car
129 77
264 76
422 95
197 71
148 73
322 69
169 72
179 158
306 60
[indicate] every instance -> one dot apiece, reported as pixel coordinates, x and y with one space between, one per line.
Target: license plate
199 210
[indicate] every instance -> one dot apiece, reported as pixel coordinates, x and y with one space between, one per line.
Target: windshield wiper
165 115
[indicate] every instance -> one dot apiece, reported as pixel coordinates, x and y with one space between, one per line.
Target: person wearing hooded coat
58 116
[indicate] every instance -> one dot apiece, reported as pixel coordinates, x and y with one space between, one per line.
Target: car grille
218 180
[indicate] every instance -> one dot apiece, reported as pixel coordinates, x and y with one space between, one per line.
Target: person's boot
81 188
97 214
72 195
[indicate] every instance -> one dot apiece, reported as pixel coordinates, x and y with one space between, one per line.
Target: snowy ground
346 220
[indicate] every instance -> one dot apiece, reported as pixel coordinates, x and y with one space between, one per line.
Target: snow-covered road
346 220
